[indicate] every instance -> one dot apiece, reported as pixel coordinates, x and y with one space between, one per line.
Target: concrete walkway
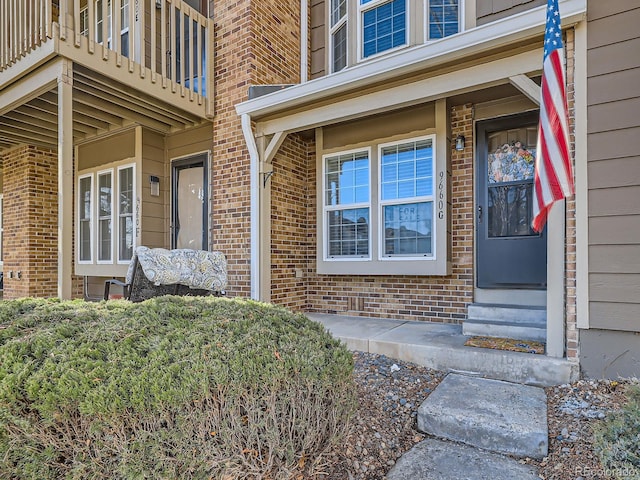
441 347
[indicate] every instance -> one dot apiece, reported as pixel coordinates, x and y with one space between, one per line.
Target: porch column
65 181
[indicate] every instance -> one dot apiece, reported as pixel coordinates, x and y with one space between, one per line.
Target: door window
190 200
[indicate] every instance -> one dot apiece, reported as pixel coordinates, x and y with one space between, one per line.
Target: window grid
443 18
338 35
105 209
347 204
85 194
383 26
406 198
126 198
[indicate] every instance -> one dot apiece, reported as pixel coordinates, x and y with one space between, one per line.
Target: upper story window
365 29
443 18
124 24
383 25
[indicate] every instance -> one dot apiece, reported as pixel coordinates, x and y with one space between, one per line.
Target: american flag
553 171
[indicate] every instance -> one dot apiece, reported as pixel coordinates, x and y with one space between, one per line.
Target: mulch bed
513 345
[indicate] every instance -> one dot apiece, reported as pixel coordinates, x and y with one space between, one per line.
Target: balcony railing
166 38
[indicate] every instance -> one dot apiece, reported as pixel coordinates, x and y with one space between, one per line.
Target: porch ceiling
100 105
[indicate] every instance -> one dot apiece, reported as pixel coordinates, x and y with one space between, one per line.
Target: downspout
254 173
304 41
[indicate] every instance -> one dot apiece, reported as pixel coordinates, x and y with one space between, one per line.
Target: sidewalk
441 347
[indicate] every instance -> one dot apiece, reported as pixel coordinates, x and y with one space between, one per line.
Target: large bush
169 388
617 439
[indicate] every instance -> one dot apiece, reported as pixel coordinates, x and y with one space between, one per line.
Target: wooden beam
527 86
65 183
274 145
30 87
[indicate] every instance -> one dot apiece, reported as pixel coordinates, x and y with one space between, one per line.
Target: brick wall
435 298
572 344
31 222
256 43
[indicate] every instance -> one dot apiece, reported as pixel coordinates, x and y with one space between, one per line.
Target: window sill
397 266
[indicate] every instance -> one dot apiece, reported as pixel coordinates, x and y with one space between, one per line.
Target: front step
506 321
493 415
434 459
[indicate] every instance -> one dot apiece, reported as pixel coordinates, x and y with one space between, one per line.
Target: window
84 21
383 210
106 205
125 213
124 25
384 25
443 18
347 194
338 35
85 189
406 198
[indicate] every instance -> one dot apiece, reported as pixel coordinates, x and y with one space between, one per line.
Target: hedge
174 387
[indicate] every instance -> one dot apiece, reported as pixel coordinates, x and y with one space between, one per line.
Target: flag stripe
553 176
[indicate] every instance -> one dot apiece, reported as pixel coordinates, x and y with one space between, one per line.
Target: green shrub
617 439
188 388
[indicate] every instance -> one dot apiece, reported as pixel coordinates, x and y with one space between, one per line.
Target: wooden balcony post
65 181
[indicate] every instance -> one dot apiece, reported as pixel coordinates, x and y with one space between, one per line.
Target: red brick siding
434 298
256 43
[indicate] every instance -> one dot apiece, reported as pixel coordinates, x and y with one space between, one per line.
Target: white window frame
119 259
332 208
400 201
333 28
375 4
90 176
461 16
123 16
98 218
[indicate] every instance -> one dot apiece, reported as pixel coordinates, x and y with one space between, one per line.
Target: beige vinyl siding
491 10
154 219
613 102
318 38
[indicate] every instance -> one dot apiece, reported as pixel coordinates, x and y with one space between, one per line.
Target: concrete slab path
434 459
490 414
441 347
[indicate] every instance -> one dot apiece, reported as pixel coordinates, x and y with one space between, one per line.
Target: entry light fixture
460 143
155 185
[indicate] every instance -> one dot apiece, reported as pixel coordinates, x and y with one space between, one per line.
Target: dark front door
509 253
189 212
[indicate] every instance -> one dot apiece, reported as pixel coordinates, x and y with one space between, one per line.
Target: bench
156 271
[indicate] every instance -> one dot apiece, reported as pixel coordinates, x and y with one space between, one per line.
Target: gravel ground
391 391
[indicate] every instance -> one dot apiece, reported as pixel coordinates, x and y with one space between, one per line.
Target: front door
510 255
189 215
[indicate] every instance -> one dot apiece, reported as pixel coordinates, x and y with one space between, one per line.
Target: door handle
479 213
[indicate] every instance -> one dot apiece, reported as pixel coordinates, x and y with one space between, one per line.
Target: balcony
156 72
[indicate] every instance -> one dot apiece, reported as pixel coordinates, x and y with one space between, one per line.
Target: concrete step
520 331
441 347
506 321
508 313
434 459
493 415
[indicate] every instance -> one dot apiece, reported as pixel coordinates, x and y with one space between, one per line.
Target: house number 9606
441 195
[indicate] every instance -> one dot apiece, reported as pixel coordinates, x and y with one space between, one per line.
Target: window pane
338 10
104 216
125 213
444 18
384 27
407 229
407 170
510 212
348 233
84 211
339 39
347 179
